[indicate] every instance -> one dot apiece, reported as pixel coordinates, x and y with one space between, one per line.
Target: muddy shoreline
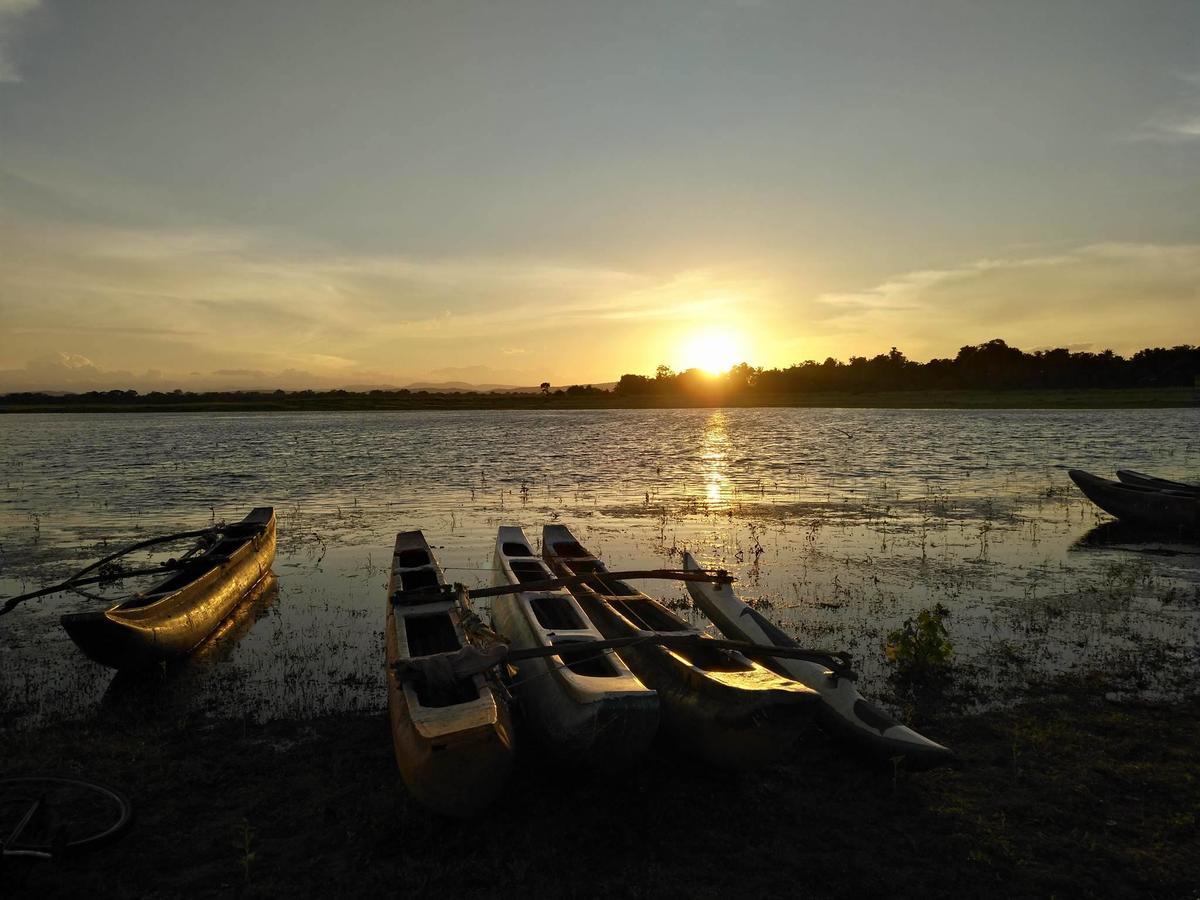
1065 795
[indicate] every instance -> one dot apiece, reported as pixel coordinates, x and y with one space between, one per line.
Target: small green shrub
920 649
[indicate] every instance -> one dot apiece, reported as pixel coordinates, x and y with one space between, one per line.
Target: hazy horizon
85 377
192 194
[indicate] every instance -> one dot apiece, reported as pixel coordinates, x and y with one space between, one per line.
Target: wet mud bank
1068 795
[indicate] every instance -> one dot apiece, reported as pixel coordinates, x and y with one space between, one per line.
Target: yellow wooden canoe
453 741
176 615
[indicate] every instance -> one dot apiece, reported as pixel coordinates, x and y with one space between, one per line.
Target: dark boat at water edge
1150 507
1138 479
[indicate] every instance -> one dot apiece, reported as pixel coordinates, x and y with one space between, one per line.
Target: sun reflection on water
714 452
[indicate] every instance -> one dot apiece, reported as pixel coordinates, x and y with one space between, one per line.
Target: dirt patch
1068 796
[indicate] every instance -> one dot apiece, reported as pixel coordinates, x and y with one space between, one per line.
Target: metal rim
29 785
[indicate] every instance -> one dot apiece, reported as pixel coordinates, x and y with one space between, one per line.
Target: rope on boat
110 570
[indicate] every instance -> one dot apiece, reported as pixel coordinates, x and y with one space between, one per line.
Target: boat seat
412 559
531 570
420 594
415 579
571 550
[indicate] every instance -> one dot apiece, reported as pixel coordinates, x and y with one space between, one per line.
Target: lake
838 524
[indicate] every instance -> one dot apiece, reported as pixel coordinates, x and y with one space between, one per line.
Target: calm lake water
840 524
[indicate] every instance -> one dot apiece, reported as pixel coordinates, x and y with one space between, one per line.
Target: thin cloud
1099 292
227 298
1169 128
1176 121
72 372
11 14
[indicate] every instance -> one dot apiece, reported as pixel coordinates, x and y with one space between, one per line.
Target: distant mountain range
71 373
439 387
433 387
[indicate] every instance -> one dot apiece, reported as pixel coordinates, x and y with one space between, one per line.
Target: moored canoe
715 703
1137 479
585 706
453 739
843 711
173 617
1151 507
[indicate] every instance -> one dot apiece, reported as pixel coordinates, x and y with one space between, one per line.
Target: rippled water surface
840 524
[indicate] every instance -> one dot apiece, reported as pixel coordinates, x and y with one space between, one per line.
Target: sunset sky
200 194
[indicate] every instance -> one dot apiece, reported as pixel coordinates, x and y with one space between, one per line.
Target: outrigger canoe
453 736
176 615
843 711
715 703
1137 479
1152 507
586 706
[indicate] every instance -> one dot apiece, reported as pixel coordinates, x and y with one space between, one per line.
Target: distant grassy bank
1111 398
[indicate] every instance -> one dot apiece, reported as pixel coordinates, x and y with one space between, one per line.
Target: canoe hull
1137 479
843 711
454 753
608 732
593 713
456 773
139 636
753 721
716 705
1145 506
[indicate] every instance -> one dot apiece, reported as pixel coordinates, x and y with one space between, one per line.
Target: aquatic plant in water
920 649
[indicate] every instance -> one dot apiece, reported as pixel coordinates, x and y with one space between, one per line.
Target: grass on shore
1064 797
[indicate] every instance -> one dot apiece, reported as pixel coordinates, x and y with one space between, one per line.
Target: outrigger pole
713 576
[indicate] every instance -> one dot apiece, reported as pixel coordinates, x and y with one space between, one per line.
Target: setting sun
713 351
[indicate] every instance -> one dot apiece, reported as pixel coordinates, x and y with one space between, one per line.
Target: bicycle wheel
50 815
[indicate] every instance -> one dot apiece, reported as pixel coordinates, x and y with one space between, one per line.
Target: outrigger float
844 712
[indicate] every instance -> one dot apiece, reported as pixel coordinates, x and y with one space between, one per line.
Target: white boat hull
595 712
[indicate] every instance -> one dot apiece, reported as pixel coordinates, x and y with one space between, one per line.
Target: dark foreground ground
1064 797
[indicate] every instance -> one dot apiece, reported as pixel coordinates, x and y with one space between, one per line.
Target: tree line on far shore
990 366
993 366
